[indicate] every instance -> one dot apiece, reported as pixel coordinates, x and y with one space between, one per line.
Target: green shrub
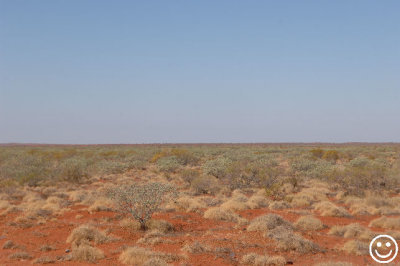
141 201
317 153
26 169
302 165
217 167
331 155
74 170
205 185
184 157
188 175
168 164
362 174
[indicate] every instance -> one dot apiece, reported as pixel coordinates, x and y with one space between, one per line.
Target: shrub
302 165
196 248
331 155
362 174
74 170
141 201
20 255
111 167
85 233
385 222
317 153
205 185
135 256
188 175
44 260
155 262
309 223
26 169
265 172
268 222
217 167
87 253
260 260
353 230
9 245
46 248
217 213
288 240
168 164
355 247
327 208
279 205
160 225
184 157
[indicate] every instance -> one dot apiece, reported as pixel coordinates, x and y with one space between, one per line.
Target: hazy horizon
103 72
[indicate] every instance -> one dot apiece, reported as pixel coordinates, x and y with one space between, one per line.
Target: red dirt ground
189 227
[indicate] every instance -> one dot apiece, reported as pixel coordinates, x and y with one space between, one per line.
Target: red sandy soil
189 227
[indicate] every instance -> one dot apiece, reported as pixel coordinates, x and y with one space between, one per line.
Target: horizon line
196 143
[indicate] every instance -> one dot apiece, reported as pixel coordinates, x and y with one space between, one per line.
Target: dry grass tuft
11 209
260 260
279 205
327 208
308 223
9 245
196 248
234 205
152 238
189 204
160 225
155 262
354 230
257 201
102 204
4 204
87 253
308 196
78 195
20 255
385 222
130 224
356 247
47 248
373 205
268 222
44 260
85 233
217 213
136 256
287 240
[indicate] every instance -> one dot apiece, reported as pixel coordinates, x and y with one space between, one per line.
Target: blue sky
199 71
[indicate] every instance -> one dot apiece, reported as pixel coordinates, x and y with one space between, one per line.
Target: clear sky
199 71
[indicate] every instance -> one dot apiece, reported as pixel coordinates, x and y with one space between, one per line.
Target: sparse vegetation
386 222
20 255
199 201
308 223
141 201
260 260
355 247
86 233
87 253
268 222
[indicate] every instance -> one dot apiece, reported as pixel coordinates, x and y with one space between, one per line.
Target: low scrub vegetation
141 201
222 204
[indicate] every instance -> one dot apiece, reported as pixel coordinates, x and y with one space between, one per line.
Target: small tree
141 201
